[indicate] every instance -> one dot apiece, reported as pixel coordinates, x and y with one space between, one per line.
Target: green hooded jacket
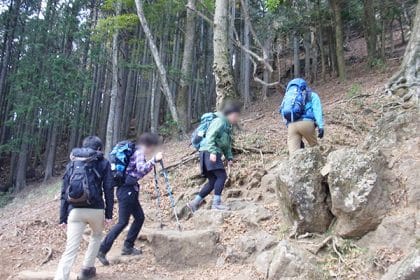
218 137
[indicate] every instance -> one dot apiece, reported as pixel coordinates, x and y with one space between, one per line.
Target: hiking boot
195 203
131 251
87 273
217 204
219 207
102 258
192 206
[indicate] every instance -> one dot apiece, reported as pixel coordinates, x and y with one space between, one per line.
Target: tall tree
225 83
183 97
158 62
370 30
339 38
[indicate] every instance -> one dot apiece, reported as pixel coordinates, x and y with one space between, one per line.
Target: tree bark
114 92
246 64
370 30
339 41
406 83
51 149
182 101
296 62
158 62
225 83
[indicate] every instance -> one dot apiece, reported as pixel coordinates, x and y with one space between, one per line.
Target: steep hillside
234 245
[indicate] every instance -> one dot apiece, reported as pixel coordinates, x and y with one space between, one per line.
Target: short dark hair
149 139
93 142
230 108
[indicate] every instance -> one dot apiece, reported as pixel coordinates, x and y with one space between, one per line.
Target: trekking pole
171 197
159 213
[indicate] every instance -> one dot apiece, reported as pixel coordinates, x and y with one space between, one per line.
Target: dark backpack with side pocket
82 189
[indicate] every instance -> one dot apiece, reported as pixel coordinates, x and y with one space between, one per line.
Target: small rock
251 213
286 261
269 181
233 193
203 219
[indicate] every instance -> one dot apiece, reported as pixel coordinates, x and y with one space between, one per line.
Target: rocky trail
345 210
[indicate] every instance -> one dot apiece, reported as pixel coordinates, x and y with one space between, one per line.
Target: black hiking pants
216 181
128 205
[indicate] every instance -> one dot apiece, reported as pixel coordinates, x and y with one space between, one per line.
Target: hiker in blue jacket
302 111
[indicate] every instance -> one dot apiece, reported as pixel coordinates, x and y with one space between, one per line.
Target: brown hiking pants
298 130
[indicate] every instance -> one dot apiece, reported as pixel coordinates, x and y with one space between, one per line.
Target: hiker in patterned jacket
128 197
216 143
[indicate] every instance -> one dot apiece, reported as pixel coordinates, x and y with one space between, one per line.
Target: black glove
320 133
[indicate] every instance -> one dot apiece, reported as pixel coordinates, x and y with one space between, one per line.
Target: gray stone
203 219
395 232
287 261
269 182
302 193
358 190
248 246
184 249
407 269
250 212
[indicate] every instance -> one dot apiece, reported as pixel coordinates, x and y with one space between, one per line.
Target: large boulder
407 269
184 249
302 191
396 232
287 261
358 190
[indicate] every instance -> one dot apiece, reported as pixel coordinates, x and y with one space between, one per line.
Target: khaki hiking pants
298 130
77 221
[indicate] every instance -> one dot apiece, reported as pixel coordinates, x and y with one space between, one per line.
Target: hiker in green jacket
217 142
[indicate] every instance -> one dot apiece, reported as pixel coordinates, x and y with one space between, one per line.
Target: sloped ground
29 230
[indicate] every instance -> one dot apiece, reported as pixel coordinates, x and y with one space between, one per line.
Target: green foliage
108 26
354 90
168 128
273 5
379 64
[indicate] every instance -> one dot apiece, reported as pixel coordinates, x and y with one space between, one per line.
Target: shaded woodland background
117 68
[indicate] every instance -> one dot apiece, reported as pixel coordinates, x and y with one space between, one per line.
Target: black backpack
82 189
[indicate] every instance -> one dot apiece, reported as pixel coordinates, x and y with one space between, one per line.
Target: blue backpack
200 132
119 158
294 101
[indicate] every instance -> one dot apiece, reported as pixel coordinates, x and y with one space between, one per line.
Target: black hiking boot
102 258
131 251
87 273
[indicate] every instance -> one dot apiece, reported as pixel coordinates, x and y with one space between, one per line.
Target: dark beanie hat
231 108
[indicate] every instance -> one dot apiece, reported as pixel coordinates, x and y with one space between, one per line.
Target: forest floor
31 240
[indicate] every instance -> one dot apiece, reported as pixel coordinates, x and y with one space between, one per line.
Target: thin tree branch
200 14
